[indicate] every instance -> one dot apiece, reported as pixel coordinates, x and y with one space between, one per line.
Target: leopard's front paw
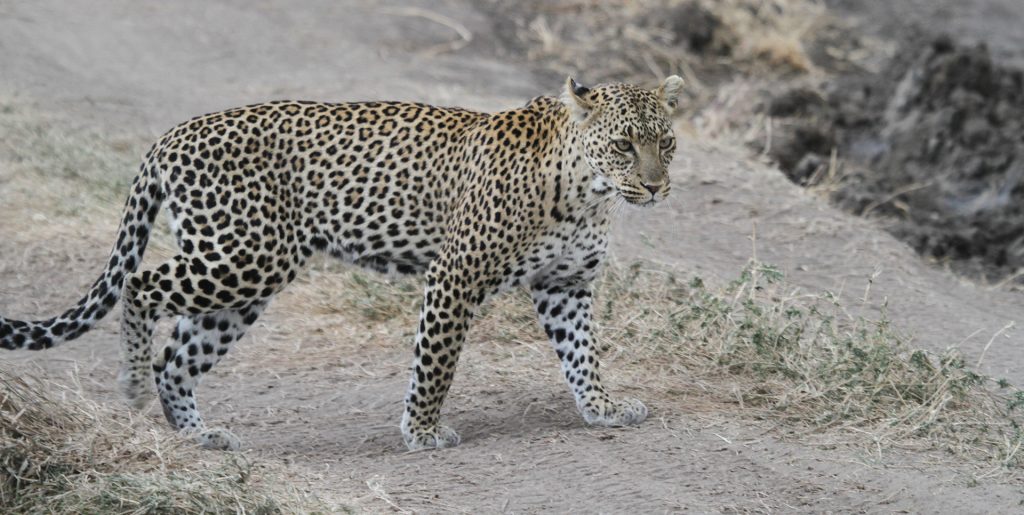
433 437
610 413
437 437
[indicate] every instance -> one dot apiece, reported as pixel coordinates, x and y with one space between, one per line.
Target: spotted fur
478 202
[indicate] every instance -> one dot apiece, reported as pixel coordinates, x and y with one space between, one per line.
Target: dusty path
326 399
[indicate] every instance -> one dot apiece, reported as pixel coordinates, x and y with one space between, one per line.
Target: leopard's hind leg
200 342
215 307
137 324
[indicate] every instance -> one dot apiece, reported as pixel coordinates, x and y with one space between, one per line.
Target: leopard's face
627 136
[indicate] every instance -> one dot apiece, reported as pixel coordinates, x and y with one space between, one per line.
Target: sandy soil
326 401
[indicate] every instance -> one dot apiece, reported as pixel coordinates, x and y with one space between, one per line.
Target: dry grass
377 298
802 360
78 168
71 455
797 361
770 36
53 177
638 41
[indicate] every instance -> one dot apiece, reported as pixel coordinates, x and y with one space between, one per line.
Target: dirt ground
325 400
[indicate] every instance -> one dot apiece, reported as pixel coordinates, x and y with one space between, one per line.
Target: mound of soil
935 143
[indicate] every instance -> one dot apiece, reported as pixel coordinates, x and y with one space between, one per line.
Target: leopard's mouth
642 201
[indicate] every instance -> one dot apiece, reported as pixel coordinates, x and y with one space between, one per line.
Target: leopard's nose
653 188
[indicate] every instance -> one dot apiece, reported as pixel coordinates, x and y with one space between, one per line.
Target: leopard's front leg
564 311
444 319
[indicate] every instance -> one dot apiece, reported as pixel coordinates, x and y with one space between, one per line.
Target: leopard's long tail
132 236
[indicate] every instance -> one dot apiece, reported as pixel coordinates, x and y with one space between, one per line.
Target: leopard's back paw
216 439
137 388
611 413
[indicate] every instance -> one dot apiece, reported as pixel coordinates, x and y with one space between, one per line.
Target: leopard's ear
574 97
668 92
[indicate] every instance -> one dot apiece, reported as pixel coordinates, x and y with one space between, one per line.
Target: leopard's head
626 134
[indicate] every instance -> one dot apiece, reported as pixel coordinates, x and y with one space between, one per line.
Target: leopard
476 203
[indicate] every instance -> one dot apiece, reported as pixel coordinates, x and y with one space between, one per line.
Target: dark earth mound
934 143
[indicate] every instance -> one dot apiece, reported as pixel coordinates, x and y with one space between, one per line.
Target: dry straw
636 41
67 454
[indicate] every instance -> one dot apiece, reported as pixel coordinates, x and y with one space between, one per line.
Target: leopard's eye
623 146
666 141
